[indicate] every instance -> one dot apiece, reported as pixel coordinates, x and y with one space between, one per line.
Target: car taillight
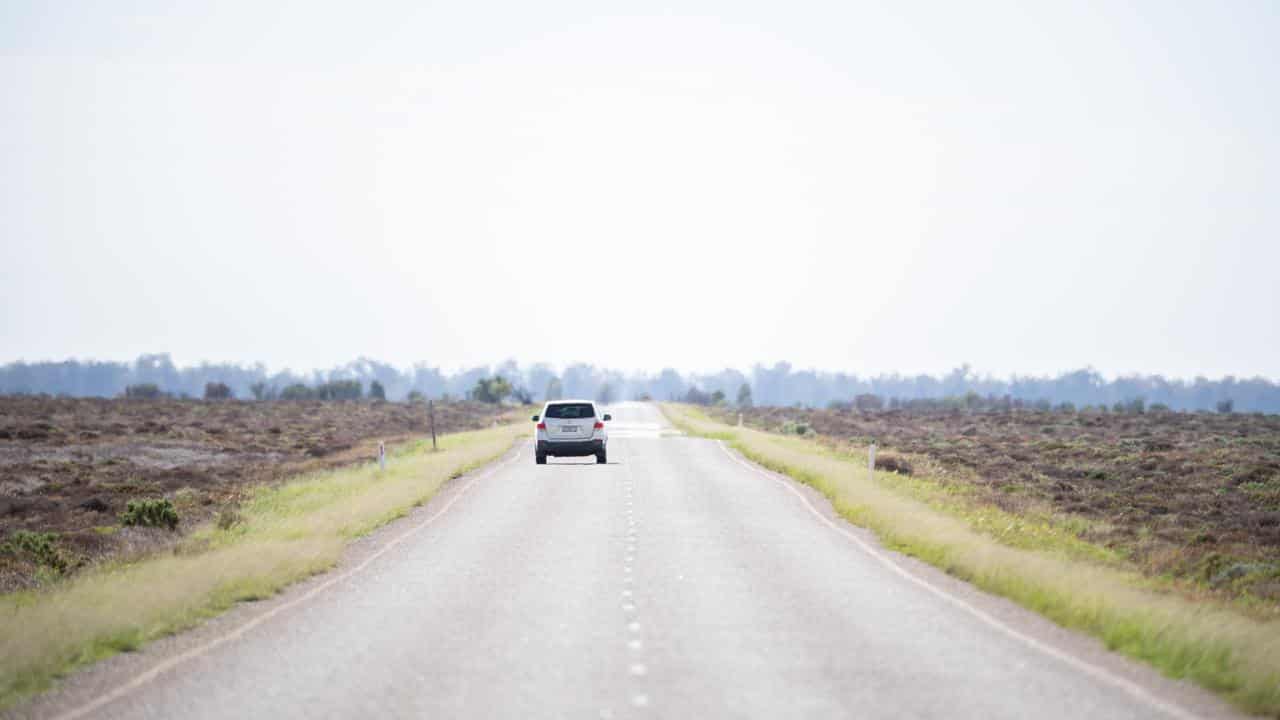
542 426
599 425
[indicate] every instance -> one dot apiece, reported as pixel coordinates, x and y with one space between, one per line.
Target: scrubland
1190 497
69 468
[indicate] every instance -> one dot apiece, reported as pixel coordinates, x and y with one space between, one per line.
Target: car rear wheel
601 458
540 459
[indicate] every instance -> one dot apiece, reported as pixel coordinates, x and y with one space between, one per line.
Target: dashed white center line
635 670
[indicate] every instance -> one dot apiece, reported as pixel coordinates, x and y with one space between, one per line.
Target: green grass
1037 562
284 534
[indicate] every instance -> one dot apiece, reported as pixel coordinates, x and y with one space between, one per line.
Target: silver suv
571 428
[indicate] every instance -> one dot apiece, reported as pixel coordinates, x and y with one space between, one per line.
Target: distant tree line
779 384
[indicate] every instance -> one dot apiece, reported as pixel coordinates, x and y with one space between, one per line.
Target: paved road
674 582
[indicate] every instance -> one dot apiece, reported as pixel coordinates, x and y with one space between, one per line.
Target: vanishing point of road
678 581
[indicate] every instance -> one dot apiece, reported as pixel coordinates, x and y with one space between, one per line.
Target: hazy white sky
849 186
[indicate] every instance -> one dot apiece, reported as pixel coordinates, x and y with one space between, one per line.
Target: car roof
570 402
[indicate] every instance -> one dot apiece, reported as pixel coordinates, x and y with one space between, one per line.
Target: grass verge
281 535
1037 565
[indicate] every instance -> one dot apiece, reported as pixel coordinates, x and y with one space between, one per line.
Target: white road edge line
145 677
1133 689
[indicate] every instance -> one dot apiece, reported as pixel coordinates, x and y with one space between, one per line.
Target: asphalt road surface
677 581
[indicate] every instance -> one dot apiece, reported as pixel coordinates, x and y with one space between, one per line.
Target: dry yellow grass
286 533
1208 643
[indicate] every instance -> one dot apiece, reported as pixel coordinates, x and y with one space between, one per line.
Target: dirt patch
1191 495
70 466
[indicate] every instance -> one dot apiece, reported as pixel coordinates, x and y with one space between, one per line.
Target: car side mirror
535 418
607 417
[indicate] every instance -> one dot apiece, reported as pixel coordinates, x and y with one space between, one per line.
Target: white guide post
871 461
382 455
739 419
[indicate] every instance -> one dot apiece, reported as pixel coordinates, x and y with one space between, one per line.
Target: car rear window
570 411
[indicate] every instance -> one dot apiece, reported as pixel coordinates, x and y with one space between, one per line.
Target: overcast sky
864 187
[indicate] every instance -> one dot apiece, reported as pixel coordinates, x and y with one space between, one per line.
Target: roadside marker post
739 419
871 462
382 455
431 412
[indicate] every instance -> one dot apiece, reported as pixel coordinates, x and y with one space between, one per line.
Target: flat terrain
1192 496
70 466
677 581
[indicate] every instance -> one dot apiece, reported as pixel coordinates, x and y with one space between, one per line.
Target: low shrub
696 396
217 391
150 513
340 390
40 547
143 391
1133 406
297 391
791 427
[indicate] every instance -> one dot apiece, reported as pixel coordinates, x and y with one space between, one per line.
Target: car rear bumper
570 448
